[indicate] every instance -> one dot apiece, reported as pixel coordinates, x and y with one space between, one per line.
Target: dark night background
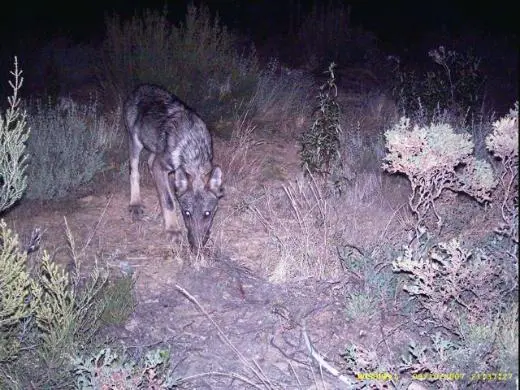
404 28
395 22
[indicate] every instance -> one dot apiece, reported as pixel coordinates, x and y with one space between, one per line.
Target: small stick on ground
321 361
255 369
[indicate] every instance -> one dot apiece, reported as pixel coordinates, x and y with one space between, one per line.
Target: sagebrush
436 159
469 294
67 146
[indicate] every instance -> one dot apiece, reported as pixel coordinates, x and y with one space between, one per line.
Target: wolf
180 160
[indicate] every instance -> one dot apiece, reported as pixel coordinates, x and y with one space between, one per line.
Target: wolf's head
198 198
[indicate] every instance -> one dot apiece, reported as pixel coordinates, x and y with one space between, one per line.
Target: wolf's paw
136 211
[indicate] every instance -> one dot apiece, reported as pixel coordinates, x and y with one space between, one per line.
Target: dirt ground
253 330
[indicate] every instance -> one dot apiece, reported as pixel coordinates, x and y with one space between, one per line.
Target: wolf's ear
215 182
181 181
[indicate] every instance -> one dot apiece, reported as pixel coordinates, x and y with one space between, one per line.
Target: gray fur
180 146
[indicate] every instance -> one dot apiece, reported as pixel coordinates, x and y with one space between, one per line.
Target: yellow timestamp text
435 376
491 376
376 376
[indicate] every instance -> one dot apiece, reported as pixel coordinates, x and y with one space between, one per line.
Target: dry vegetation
333 276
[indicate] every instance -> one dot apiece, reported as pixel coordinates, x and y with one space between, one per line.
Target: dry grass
301 228
305 225
290 226
238 162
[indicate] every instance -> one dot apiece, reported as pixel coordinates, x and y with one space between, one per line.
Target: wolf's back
165 125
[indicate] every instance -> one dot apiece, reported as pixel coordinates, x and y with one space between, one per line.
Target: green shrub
67 147
321 143
196 60
13 135
15 283
47 316
478 350
66 316
507 341
107 370
360 306
15 287
119 300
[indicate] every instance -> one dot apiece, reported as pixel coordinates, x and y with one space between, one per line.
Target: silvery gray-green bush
468 292
435 158
66 147
503 143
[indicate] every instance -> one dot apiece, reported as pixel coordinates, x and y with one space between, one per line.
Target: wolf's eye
207 213
187 213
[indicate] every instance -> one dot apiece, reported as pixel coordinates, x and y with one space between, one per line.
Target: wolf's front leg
136 205
166 199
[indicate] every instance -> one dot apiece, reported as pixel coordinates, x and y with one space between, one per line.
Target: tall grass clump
303 227
281 95
13 136
197 60
67 147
